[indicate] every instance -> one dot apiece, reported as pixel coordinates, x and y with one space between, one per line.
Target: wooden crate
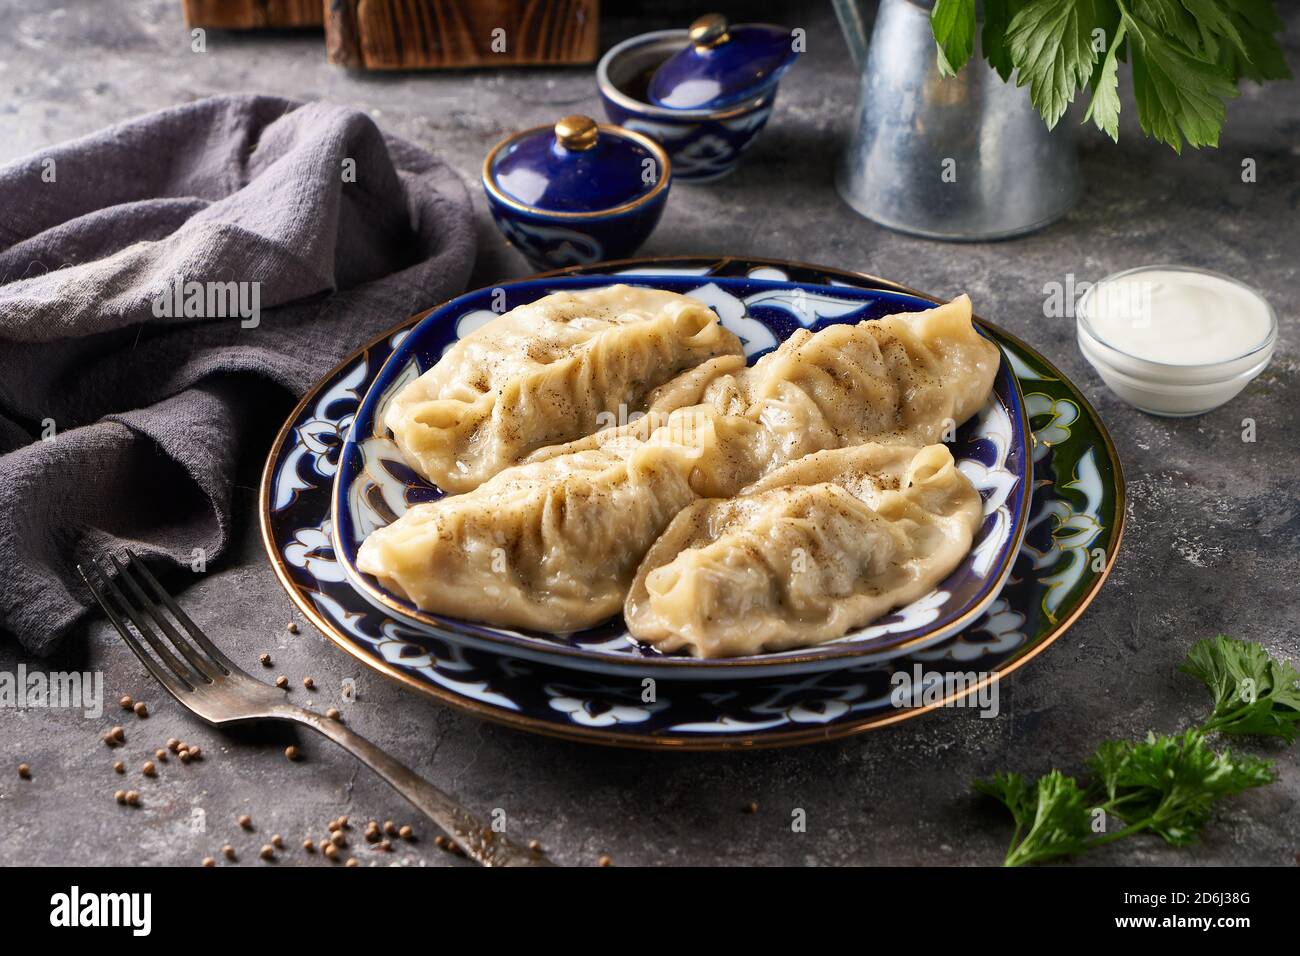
254 14
441 34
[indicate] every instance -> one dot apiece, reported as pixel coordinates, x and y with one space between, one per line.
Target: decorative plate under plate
1075 527
375 485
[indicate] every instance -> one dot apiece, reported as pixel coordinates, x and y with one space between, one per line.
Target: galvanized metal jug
958 158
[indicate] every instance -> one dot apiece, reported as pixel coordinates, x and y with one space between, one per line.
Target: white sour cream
1173 340
1178 317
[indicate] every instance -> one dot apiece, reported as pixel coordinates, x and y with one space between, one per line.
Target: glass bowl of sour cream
1174 340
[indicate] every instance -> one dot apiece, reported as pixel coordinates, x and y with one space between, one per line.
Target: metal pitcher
958 158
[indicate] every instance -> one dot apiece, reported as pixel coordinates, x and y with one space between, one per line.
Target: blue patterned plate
375 486
1073 538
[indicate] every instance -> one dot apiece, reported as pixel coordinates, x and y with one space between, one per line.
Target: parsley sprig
1188 56
1166 785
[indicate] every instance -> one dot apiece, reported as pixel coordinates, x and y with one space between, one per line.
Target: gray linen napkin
123 413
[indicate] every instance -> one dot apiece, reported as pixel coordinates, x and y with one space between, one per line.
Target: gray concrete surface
1212 543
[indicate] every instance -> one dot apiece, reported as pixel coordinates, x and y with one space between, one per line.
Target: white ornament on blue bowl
577 192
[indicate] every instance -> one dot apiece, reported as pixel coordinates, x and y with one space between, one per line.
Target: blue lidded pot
704 93
577 192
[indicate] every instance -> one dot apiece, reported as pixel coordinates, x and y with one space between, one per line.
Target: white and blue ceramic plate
1075 527
375 486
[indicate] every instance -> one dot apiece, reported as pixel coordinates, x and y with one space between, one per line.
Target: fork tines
196 666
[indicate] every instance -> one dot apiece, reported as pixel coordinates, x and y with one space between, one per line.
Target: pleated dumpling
548 372
553 545
817 548
909 378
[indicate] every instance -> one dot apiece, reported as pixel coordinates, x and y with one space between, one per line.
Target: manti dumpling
553 545
824 545
545 373
905 379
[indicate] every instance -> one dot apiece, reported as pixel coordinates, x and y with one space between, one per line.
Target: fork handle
478 840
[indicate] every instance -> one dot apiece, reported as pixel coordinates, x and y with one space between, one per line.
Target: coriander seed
331 851
308 845
604 861
120 796
141 710
173 744
24 771
209 862
268 852
282 682
265 660
126 702
228 852
245 821
119 767
292 627
333 714
291 752
133 798
308 683
351 862
277 841
149 770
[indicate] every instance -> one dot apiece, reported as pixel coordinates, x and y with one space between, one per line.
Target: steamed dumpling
547 372
814 550
553 545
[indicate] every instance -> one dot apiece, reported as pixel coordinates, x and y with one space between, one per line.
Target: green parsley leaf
1169 785
1253 693
1178 95
953 23
1051 45
1259 56
993 37
1103 108
1052 817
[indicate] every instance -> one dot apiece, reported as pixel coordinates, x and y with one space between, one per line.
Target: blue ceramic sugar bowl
576 192
704 93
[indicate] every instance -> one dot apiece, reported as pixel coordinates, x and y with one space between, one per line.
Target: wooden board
254 14
440 34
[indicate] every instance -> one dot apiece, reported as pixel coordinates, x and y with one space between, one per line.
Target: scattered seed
308 845
173 744
184 756
120 796
141 710
245 821
208 861
282 682
332 826
24 771
160 755
265 660
268 852
535 846
333 714
372 836
120 767
343 823
751 807
133 798
406 833
277 841
292 627
351 862
338 839
291 752
390 828
331 851
126 702
385 845
149 770
604 861
308 683
440 842
228 852
108 739
196 753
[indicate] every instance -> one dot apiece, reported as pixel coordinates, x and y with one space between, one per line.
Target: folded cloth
159 282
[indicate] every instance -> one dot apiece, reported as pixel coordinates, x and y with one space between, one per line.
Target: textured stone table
1213 539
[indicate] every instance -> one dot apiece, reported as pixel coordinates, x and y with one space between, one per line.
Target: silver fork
214 688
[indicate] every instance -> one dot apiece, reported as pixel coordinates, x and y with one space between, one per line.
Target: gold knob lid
576 132
708 31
